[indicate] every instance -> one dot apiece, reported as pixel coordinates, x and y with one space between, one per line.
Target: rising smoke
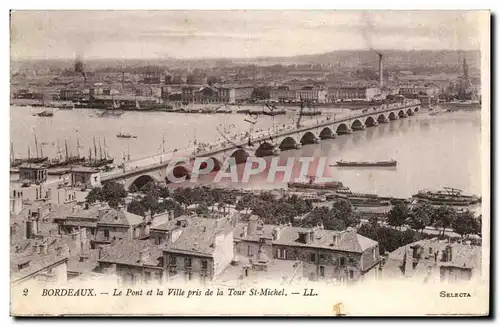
80 67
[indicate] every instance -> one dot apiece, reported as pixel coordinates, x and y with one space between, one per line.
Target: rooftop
120 217
198 237
431 254
129 252
348 241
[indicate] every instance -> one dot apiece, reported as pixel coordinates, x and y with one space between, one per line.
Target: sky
234 34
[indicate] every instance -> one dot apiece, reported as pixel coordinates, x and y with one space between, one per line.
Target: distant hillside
393 59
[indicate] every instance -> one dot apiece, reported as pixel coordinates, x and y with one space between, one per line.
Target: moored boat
448 196
367 163
316 185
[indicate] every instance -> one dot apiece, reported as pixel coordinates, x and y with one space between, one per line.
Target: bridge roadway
155 162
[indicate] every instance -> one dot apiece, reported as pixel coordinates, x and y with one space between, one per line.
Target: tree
202 209
150 203
397 215
113 190
133 188
420 216
136 207
464 224
95 195
164 192
443 216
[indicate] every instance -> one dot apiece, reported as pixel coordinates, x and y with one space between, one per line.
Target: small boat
126 135
44 114
365 164
316 185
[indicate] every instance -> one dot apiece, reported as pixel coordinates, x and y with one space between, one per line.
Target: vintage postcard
249 163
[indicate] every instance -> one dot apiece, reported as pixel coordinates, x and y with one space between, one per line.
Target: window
281 253
351 274
187 262
430 251
147 276
322 271
312 257
157 240
321 256
342 261
204 265
250 253
106 234
173 261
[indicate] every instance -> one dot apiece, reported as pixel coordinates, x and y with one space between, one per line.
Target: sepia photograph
249 163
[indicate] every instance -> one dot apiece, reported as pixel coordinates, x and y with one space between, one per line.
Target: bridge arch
370 122
409 111
401 114
392 116
357 125
382 118
178 171
416 109
240 155
326 133
141 181
342 129
216 163
264 149
308 138
288 143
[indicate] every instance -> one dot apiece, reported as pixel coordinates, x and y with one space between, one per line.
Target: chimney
142 256
29 231
252 224
381 70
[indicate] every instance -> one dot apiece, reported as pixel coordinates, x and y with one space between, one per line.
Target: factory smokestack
80 68
381 70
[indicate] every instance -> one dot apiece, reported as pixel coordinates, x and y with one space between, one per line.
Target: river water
432 151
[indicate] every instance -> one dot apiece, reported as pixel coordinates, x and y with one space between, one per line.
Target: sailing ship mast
36 146
163 143
12 152
95 150
106 156
90 154
100 150
78 147
66 148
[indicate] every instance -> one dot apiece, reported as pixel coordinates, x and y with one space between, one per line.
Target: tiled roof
128 252
170 225
37 261
349 241
463 256
120 217
198 238
265 232
86 266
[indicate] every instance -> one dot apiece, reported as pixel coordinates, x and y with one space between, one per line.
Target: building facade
348 92
286 93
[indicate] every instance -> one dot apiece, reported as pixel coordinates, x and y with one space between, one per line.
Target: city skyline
238 34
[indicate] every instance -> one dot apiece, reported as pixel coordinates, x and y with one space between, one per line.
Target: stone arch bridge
266 145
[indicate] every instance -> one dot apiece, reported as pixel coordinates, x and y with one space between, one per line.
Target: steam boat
366 163
333 185
448 196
